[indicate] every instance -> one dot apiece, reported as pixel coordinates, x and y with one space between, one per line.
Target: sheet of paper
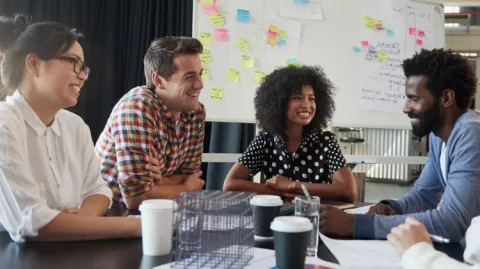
216 93
206 38
309 10
265 259
359 210
363 254
221 34
217 19
233 75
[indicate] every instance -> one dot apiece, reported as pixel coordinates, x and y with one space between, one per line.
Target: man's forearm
157 192
95 205
174 179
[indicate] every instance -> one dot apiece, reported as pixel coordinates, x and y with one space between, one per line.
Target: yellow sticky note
206 38
369 22
248 61
272 40
217 19
233 75
259 76
216 93
382 56
206 56
273 28
282 34
205 74
243 44
207 2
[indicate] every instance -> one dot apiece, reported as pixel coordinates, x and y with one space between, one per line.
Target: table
116 253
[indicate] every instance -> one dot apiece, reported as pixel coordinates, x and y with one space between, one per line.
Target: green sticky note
217 19
216 94
206 38
259 76
206 56
243 44
382 56
233 75
205 74
248 61
207 2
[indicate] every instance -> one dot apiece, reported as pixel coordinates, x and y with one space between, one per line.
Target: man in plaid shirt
163 117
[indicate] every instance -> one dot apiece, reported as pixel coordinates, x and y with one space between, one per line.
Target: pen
439 239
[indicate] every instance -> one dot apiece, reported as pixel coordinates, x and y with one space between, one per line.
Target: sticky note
259 76
419 42
357 49
421 33
248 61
372 23
243 15
216 93
282 34
372 48
217 19
382 56
291 62
390 32
207 2
243 44
210 10
412 31
300 1
378 26
272 40
270 33
206 56
233 75
281 41
205 74
364 43
221 34
206 38
273 28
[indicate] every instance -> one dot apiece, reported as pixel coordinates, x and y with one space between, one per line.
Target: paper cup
265 209
157 215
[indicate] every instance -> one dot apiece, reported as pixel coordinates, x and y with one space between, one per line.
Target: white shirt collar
31 117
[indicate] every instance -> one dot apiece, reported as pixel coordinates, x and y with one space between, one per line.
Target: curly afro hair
273 95
444 70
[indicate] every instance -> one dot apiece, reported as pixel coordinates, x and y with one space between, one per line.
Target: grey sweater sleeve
460 203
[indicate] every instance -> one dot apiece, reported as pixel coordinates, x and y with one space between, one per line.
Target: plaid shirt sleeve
133 131
193 159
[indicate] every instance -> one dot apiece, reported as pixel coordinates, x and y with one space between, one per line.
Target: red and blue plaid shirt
140 120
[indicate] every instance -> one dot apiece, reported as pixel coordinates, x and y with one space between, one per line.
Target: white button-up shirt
43 169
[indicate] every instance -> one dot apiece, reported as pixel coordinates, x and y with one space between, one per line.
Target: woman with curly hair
292 106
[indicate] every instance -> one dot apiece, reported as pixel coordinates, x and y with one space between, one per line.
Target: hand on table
408 234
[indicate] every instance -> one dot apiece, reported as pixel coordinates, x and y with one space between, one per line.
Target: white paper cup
157 217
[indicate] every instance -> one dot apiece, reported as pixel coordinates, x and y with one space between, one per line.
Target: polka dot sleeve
335 159
253 158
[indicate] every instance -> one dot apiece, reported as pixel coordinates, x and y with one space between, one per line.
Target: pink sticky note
378 26
270 33
419 42
412 31
210 10
221 34
364 43
421 33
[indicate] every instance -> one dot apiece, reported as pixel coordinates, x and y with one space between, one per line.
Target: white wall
461 39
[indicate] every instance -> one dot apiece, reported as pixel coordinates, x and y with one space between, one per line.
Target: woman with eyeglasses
50 183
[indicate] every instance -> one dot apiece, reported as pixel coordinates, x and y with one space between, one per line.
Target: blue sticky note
372 48
243 15
281 41
292 61
300 1
390 32
357 49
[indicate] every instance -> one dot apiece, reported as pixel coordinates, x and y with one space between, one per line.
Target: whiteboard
369 78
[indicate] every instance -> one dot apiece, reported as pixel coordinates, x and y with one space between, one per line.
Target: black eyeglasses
78 65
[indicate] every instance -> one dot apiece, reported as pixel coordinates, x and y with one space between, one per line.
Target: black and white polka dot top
317 158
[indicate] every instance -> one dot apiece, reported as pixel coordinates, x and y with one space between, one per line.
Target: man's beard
428 121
